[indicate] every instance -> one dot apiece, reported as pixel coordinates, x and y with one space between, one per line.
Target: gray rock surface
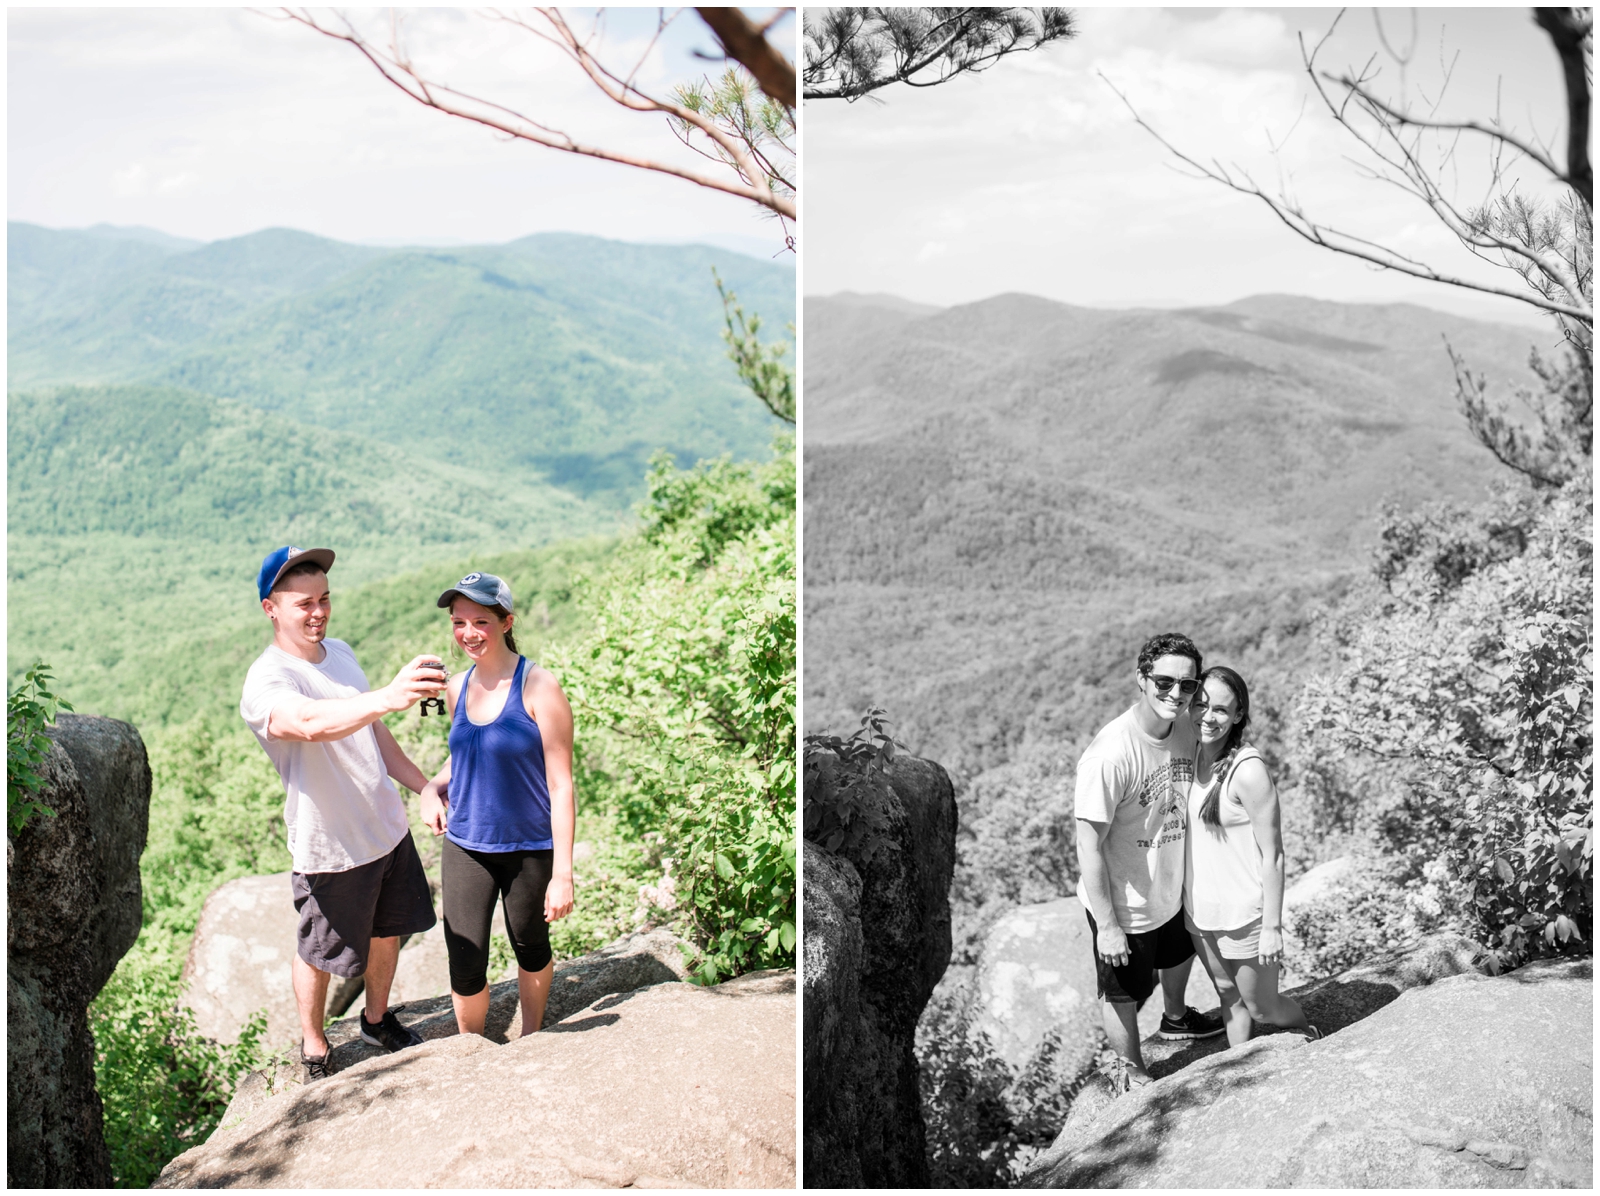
239 960
1036 974
243 948
864 1122
672 1085
1467 1081
1317 883
1338 1001
73 910
636 961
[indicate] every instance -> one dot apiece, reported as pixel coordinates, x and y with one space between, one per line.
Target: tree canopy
853 52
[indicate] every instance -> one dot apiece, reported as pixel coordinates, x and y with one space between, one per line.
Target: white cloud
216 122
1067 197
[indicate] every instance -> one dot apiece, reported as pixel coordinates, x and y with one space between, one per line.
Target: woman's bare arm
1255 789
547 705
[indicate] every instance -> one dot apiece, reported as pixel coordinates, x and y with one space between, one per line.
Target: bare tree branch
394 64
746 44
1551 251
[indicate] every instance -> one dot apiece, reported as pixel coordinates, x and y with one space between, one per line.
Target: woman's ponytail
1211 807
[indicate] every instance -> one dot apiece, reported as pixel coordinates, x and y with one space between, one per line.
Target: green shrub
29 709
164 1087
684 694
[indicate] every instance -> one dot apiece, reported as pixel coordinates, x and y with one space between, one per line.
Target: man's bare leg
382 959
533 990
1121 1020
311 999
1174 984
471 1012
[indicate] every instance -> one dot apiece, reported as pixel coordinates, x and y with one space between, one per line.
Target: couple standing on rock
358 883
1180 853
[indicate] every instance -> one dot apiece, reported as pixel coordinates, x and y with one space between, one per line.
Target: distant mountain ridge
1275 422
567 355
1003 499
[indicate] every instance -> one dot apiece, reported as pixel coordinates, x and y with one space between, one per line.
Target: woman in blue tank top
504 803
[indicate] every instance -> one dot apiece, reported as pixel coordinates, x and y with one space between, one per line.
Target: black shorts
1165 947
472 881
342 912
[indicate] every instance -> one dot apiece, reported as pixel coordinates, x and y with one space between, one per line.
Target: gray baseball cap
483 588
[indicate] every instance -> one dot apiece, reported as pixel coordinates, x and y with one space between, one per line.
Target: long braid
1211 807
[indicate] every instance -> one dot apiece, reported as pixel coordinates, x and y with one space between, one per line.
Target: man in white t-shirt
358 884
1131 803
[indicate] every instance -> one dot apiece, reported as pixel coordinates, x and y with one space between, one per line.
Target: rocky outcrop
1036 976
243 950
1467 1081
672 1085
877 940
636 961
73 910
1317 883
239 960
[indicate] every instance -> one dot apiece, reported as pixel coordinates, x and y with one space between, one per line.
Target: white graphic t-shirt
341 808
1139 786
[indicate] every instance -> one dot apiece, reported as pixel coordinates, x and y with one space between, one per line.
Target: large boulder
243 950
1036 974
1317 883
1469 1081
890 912
673 1085
73 910
239 960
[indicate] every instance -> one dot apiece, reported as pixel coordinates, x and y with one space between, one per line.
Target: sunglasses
1186 685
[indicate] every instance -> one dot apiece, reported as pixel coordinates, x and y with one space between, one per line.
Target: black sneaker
388 1033
1193 1024
316 1065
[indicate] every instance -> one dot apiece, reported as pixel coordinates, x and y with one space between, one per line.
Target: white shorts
1243 943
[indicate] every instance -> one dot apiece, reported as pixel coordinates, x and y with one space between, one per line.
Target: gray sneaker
316 1065
388 1033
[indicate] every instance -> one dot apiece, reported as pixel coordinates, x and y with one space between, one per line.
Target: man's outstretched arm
317 720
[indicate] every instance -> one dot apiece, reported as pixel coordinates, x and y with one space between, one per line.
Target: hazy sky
211 123
1033 177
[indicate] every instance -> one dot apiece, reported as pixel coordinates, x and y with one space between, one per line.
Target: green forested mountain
147 511
178 409
566 356
149 461
49 273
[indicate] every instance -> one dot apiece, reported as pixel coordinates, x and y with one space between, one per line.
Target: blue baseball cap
483 588
277 561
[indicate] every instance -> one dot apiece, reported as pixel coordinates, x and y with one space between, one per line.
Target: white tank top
1222 865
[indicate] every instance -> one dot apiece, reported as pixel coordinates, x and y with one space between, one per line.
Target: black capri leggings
471 881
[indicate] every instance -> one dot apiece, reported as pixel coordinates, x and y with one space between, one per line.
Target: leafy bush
984 1124
837 817
164 1087
29 709
216 813
1458 729
684 694
1385 902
